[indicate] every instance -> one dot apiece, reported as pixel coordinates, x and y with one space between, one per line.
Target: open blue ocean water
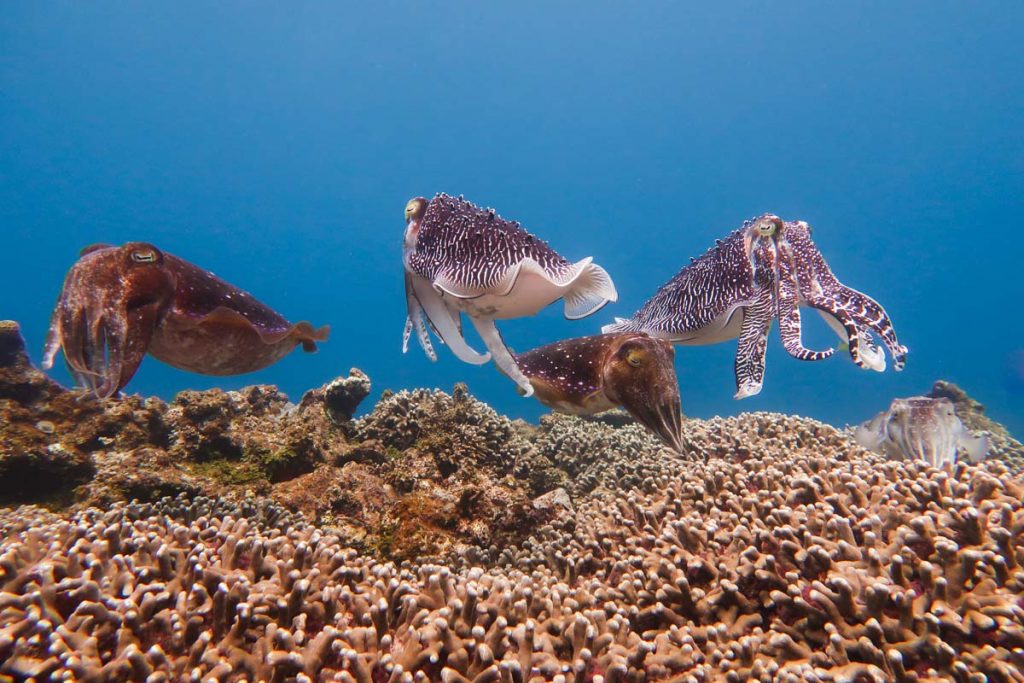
277 145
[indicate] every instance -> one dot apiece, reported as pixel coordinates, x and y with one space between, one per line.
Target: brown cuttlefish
589 375
119 303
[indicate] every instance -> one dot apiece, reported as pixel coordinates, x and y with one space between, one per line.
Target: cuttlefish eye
635 357
413 208
144 256
769 225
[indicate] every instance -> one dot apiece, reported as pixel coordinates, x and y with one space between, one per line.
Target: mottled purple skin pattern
118 303
592 374
858 313
460 241
765 270
728 292
703 291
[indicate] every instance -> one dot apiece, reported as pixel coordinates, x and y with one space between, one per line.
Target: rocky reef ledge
434 539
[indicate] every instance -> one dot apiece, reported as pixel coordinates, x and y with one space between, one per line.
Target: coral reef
436 540
972 413
424 474
595 453
768 568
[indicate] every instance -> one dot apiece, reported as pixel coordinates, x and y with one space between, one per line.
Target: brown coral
801 558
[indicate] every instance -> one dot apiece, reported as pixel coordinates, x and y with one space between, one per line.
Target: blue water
277 146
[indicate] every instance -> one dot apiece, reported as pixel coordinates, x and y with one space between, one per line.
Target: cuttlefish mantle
462 259
921 428
119 303
593 374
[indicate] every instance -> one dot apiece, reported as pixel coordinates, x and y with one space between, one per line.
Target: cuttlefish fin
589 291
976 447
588 286
502 356
308 335
443 320
449 284
301 332
619 325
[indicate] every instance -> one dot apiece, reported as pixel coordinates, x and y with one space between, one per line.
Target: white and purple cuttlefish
921 428
764 271
460 258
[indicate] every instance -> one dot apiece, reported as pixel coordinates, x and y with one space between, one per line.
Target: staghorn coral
856 574
778 551
804 557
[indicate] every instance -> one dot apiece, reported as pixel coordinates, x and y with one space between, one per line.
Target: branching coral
801 559
596 454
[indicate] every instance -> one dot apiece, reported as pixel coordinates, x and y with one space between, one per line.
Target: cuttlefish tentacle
445 324
414 322
788 312
502 356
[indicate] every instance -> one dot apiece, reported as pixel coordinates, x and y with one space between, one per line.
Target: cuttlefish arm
108 310
414 321
502 356
425 302
753 342
788 312
853 314
850 305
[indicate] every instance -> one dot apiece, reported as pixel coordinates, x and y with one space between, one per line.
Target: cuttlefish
590 375
119 303
921 428
460 258
764 271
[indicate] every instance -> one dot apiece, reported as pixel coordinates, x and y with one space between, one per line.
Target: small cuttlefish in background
590 375
460 258
921 428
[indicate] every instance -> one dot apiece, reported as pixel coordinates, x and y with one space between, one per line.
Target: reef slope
434 539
